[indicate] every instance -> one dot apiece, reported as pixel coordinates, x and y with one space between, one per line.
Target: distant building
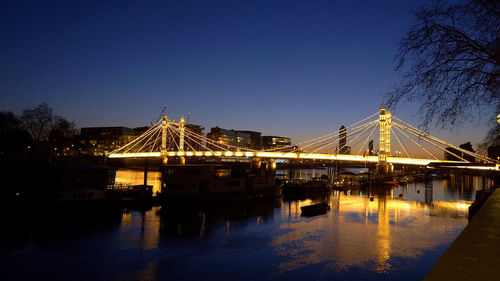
448 154
494 152
347 150
269 142
141 130
255 139
100 140
229 137
343 149
194 142
370 148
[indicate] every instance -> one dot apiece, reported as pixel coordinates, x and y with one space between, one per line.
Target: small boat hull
316 209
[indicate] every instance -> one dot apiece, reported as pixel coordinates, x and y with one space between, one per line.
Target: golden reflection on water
363 233
136 177
363 229
141 232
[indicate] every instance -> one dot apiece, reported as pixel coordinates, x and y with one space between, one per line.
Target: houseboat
300 188
212 182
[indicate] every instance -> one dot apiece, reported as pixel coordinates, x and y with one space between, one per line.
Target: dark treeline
36 136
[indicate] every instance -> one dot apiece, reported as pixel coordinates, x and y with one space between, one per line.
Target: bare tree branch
36 121
450 61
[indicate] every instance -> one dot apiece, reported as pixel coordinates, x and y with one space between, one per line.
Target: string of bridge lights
173 136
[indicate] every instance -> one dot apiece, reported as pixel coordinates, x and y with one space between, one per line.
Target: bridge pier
256 163
384 168
271 166
145 172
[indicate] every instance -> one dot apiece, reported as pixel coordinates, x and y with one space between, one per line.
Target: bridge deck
293 155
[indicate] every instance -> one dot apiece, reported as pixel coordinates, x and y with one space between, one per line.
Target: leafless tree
450 62
62 127
37 121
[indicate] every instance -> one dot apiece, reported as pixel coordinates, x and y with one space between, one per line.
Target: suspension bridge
168 138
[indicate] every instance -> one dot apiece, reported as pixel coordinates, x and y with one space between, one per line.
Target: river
390 234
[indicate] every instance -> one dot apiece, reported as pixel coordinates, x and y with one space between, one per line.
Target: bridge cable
428 141
373 124
221 146
150 136
153 147
200 141
322 137
333 140
366 140
346 129
360 140
419 145
337 137
435 145
133 141
186 138
446 143
139 140
350 141
401 144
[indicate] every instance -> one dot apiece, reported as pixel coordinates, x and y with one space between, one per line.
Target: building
370 148
100 140
141 130
255 139
448 154
347 150
228 137
343 149
270 142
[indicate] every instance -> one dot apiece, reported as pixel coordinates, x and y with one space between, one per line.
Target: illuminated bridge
170 139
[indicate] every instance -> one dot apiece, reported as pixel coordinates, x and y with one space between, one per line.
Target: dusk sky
289 68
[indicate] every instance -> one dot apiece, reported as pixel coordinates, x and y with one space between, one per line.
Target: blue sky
291 68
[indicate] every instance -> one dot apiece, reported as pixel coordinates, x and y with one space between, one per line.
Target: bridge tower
163 150
383 167
181 140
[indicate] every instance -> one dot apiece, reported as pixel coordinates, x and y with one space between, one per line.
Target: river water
367 235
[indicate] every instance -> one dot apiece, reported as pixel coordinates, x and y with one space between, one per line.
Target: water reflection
363 233
199 220
375 234
139 231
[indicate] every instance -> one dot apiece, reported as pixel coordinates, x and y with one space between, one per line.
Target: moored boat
315 209
300 188
131 195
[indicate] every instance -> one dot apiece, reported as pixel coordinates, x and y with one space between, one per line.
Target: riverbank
475 254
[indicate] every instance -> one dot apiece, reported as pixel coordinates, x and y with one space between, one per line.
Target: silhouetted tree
450 59
62 133
62 128
493 137
13 138
8 122
37 120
